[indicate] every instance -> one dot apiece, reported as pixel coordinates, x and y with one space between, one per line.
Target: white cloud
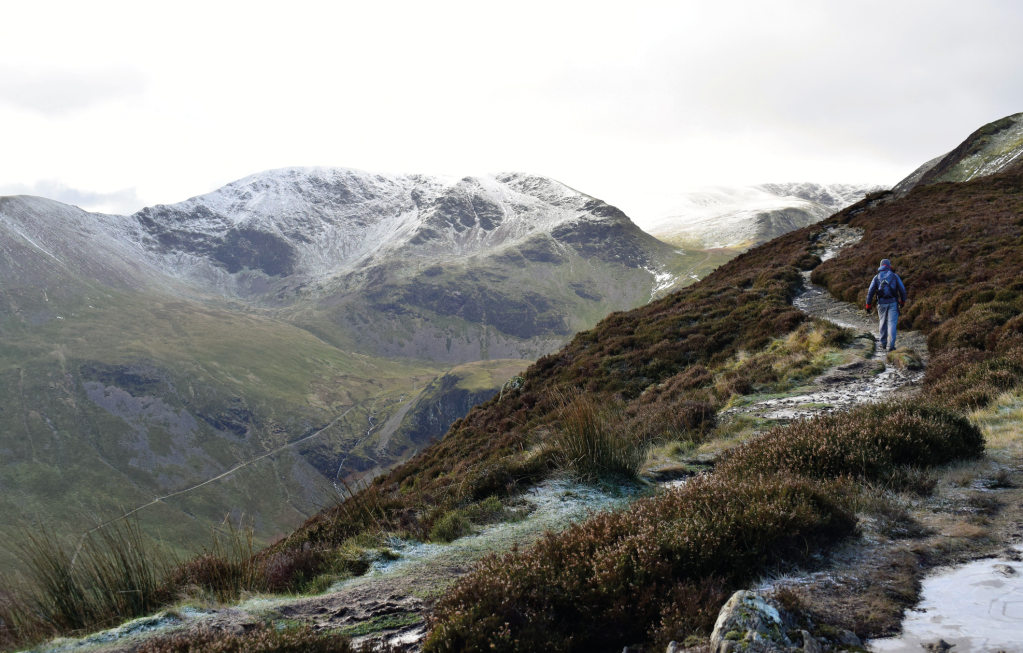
57 91
123 201
618 100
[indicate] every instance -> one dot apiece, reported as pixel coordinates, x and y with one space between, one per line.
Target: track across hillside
864 381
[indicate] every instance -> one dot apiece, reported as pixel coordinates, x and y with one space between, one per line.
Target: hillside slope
664 365
995 147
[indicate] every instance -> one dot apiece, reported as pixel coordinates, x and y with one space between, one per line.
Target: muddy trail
872 378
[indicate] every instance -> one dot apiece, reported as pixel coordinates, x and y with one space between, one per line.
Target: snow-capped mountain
320 223
495 254
744 216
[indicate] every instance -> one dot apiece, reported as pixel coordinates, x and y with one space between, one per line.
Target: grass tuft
592 440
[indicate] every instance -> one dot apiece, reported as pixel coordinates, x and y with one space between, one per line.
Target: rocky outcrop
750 622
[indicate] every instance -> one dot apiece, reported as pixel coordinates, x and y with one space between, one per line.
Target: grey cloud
60 91
123 202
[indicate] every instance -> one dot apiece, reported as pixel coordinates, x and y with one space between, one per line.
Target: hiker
891 296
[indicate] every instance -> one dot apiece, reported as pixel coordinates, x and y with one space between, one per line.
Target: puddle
976 607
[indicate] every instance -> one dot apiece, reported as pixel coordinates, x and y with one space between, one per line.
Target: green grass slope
995 147
124 397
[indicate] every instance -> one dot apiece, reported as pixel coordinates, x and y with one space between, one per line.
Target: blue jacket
884 273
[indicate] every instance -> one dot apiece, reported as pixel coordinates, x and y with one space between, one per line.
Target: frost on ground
391 600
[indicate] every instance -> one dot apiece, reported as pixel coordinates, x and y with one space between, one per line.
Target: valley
735 433
244 353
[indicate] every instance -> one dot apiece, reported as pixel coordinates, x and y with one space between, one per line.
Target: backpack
886 288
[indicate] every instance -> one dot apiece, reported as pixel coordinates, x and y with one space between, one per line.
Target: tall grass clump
591 438
872 442
612 578
113 573
223 570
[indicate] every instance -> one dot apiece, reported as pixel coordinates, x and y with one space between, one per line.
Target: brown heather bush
872 442
261 639
691 610
612 578
970 378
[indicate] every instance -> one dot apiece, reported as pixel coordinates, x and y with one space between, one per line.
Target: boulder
750 622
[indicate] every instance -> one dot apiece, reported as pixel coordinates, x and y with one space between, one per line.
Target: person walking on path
891 296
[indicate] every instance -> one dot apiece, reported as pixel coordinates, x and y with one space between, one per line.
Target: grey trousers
888 318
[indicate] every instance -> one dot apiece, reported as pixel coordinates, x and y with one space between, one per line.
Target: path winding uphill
877 377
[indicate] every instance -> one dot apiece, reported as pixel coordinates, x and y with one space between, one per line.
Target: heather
609 580
872 443
621 577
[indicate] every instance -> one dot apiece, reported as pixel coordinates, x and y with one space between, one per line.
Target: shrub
223 570
968 378
691 610
450 527
871 442
606 581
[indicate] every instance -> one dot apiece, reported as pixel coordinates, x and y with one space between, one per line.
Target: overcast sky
112 106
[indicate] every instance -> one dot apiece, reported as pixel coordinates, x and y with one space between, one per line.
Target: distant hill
745 216
995 147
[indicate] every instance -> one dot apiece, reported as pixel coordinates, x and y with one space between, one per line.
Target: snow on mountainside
505 265
319 222
744 216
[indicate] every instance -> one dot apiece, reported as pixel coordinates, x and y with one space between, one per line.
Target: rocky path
863 381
